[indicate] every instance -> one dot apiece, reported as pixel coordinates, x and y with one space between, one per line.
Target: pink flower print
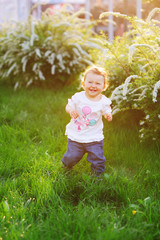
79 123
88 118
92 122
86 110
93 115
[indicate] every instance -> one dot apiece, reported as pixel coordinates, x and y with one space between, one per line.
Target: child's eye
90 81
98 83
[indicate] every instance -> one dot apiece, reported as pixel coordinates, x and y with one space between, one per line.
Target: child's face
93 85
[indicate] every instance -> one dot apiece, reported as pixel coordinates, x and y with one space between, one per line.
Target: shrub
49 50
133 62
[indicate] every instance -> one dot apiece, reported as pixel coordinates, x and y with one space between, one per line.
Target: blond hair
99 71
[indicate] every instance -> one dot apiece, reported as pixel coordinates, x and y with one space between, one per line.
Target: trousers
76 150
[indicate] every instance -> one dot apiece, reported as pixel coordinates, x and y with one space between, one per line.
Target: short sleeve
106 106
73 101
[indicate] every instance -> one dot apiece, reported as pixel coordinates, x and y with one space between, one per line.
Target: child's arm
107 111
73 113
108 116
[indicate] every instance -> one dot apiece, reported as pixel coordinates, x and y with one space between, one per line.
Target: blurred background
19 10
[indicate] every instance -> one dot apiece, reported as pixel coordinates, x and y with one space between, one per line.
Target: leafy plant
53 50
134 69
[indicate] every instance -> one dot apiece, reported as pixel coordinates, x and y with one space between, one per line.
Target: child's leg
75 152
96 156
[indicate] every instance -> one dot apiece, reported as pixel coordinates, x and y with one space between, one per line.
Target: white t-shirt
88 127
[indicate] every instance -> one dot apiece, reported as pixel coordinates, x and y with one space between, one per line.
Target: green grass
39 200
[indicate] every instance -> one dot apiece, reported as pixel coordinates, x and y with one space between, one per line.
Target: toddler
85 130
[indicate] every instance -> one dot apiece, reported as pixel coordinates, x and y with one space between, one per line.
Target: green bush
53 50
133 62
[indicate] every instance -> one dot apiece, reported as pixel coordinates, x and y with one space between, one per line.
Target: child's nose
93 85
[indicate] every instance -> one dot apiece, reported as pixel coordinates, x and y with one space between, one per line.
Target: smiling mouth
93 90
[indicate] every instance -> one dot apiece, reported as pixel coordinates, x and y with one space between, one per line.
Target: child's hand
73 114
108 116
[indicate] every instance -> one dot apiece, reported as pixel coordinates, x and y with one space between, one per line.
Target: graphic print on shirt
87 119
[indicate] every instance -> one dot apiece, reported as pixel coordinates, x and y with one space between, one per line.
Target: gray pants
76 150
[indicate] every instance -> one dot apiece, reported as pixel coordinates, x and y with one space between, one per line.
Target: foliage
134 69
40 201
54 49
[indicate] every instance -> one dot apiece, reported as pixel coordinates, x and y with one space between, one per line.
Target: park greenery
53 49
134 68
56 49
41 62
39 200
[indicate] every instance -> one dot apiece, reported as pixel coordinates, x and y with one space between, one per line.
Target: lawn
40 200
